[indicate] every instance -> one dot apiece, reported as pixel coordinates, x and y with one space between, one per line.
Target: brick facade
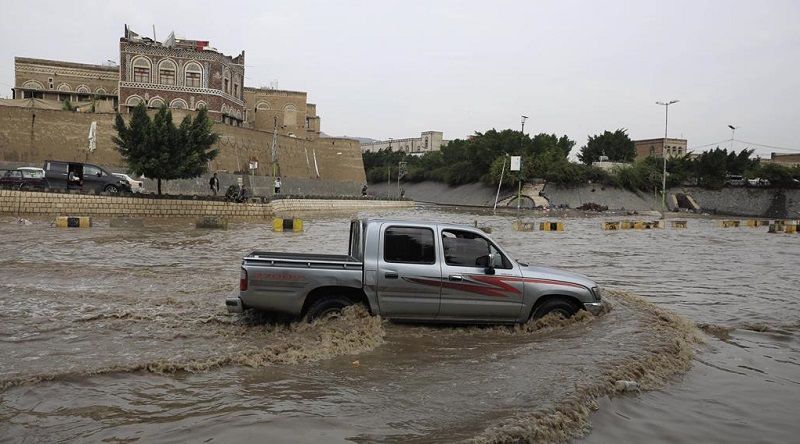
182 75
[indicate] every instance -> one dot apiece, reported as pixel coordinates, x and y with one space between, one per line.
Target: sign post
516 165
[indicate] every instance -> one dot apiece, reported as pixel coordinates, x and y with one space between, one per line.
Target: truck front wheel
327 307
559 306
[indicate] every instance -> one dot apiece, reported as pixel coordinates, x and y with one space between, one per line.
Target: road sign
516 163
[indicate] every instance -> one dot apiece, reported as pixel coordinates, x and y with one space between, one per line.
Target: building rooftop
59 63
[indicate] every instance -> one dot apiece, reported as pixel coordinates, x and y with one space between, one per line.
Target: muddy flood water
121 335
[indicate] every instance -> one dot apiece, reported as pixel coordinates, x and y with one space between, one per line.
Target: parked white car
758 182
38 172
137 186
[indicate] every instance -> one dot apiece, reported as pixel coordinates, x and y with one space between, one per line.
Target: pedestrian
364 191
278 185
402 193
214 184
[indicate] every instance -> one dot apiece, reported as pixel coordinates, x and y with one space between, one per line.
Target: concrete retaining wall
743 201
56 204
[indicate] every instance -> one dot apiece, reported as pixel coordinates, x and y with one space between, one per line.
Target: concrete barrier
551 226
519 225
293 224
679 223
612 226
73 222
731 224
211 222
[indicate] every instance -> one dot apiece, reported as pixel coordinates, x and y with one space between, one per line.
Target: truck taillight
243 280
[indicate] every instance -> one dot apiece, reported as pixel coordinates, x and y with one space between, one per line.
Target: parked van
82 176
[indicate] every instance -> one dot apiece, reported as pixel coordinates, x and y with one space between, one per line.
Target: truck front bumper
592 307
234 304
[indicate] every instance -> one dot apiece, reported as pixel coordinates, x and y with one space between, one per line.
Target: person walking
364 191
213 183
278 185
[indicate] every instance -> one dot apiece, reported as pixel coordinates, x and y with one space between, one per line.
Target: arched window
226 81
83 89
156 102
290 116
141 70
193 73
166 72
133 100
200 105
64 87
32 84
178 104
100 91
262 105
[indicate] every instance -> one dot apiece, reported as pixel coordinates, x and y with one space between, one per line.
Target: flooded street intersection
120 334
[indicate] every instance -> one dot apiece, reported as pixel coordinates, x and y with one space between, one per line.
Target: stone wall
743 201
31 136
57 204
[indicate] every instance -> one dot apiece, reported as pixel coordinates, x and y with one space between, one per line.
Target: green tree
617 146
158 149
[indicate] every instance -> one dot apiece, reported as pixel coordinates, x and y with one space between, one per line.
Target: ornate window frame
173 66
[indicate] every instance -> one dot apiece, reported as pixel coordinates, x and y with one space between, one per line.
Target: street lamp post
519 177
733 134
664 152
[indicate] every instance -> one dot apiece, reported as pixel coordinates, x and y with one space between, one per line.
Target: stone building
427 141
62 81
295 116
655 147
182 74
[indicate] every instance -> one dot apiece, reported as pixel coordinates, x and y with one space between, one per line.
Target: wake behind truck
412 271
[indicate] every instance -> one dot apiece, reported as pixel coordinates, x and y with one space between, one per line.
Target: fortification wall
34 135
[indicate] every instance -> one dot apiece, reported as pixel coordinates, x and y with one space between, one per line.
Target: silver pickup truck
412 271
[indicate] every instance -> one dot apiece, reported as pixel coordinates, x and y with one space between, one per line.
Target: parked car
137 186
758 182
37 169
82 176
23 179
734 180
412 271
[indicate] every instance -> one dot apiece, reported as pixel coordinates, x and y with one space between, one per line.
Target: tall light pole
733 133
519 177
664 152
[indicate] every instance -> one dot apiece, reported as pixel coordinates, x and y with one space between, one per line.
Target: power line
761 145
769 146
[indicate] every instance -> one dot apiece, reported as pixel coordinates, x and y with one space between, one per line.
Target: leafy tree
67 106
617 146
157 148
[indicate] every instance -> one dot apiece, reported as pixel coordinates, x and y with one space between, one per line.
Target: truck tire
330 306
556 305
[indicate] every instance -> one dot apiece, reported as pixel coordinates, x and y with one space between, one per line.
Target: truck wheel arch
555 297
356 295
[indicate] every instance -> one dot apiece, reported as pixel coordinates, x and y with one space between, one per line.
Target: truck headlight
597 294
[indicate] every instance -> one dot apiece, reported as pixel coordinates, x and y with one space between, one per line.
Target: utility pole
664 151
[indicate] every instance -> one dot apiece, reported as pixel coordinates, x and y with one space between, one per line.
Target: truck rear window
409 245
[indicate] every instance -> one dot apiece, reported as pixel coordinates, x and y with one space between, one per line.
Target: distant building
784 159
427 141
656 147
294 116
64 81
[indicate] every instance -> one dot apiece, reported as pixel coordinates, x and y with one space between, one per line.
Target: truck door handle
391 275
455 277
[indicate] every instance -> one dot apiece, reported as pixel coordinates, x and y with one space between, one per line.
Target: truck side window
409 245
467 249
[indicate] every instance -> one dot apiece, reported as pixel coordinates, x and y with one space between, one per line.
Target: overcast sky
385 69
